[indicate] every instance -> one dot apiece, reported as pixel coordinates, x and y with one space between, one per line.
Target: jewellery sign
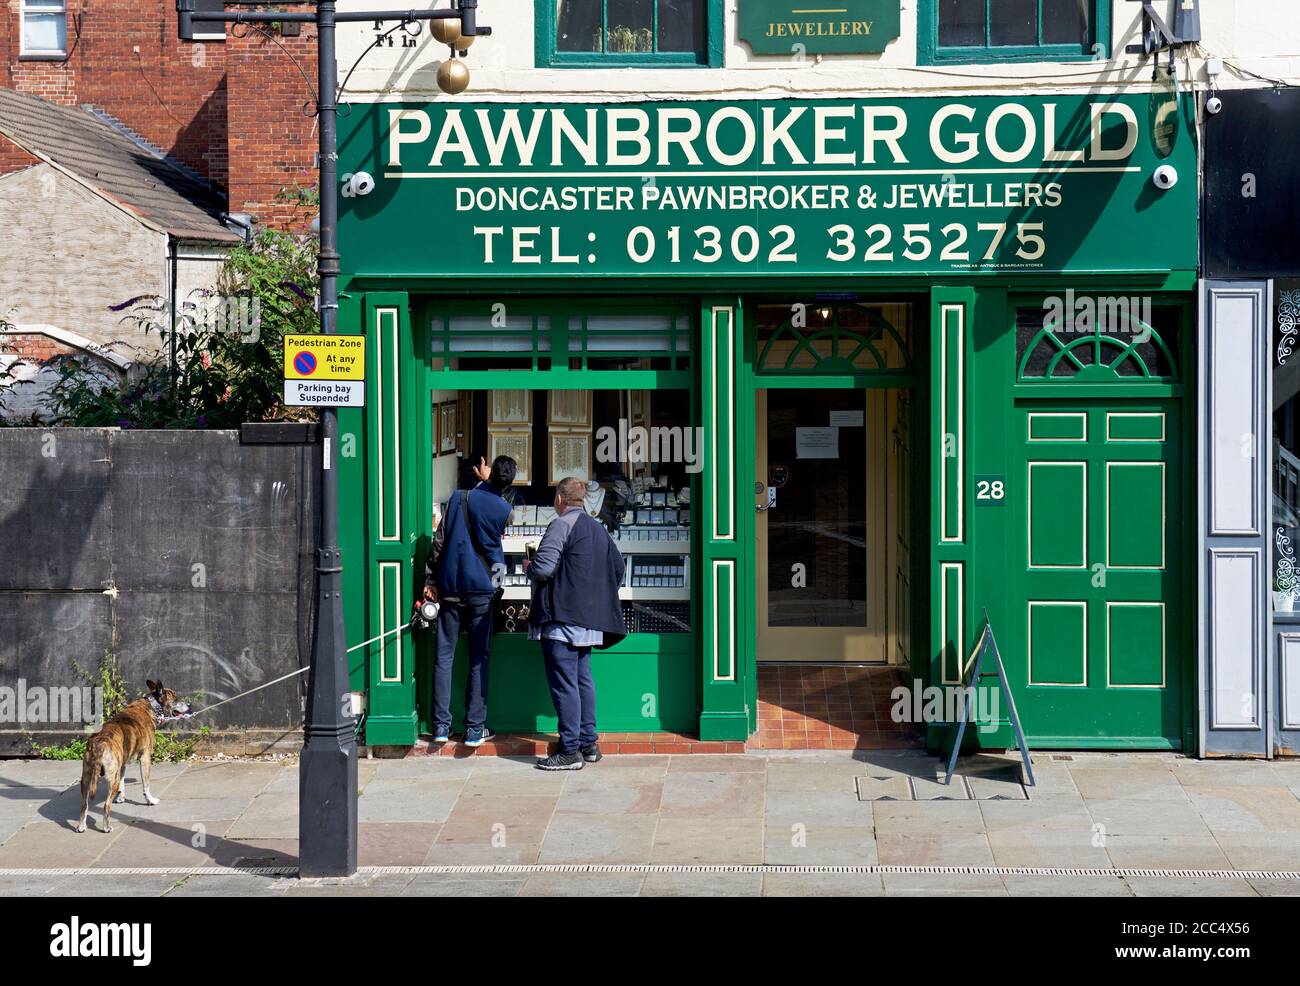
826 187
798 27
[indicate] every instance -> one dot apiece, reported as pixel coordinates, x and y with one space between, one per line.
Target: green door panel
1058 515
1097 566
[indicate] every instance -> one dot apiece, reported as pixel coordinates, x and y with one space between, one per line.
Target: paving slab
631 793
585 838
934 849
1186 886
698 794
1276 888
582 885
224 779
820 844
823 885
238 885
361 885
708 840
395 843
253 852
1118 780
1027 885
1046 847
705 762
1176 852
268 816
1141 816
916 817
808 775
1053 813
786 808
716 884
393 799
159 844
942 885
477 885
1247 808
46 844
1259 850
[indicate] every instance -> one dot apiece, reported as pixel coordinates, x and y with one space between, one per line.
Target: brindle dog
128 734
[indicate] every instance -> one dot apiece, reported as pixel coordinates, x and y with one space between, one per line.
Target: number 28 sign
990 491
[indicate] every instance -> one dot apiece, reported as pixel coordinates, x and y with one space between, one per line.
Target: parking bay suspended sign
324 371
976 185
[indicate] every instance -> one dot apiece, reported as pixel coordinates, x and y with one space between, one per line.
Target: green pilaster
352 504
951 325
390 518
724 518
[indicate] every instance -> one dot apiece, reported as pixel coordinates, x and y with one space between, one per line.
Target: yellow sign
316 357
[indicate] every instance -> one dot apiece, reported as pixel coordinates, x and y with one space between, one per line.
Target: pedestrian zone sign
324 371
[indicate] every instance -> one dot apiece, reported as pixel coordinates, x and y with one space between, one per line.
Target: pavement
865 823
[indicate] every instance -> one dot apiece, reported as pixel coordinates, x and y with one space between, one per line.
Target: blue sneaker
440 736
477 737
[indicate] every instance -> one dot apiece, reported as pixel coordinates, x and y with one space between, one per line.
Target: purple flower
123 422
201 421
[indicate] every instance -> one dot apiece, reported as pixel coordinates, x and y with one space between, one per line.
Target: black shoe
561 761
591 754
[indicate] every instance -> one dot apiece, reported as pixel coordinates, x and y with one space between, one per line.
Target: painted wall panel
1235 703
1234 681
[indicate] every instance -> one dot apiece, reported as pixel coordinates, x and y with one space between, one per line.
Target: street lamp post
327 773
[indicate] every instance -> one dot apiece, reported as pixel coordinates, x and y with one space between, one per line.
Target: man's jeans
568 672
474 616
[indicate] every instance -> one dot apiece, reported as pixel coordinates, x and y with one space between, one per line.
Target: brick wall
232 110
273 138
13 157
124 56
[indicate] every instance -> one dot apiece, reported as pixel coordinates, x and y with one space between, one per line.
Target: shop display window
635 449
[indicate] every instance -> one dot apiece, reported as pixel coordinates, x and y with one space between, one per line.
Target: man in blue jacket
463 571
575 573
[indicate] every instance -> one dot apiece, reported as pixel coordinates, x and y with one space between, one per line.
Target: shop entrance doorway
832 481
828 522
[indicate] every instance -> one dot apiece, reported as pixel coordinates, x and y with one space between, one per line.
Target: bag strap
473 535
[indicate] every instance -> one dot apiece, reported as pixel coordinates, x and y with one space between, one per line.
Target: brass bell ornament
453 76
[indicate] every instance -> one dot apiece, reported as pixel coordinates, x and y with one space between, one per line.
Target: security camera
1213 105
360 183
1165 177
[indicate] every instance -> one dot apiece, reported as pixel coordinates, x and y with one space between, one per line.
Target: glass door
824 552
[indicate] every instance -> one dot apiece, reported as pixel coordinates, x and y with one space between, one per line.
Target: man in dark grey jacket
575 606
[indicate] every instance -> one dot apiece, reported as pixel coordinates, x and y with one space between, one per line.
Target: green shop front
841 376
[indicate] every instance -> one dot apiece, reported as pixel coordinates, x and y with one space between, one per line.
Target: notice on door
817 443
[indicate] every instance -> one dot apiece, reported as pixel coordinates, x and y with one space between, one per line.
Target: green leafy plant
219 358
169 747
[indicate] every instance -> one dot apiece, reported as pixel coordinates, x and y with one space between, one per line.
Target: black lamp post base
327 800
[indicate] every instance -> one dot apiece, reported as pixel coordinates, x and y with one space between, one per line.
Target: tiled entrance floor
828 707
541 744
800 707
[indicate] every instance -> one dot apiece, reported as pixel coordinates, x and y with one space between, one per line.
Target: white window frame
23 12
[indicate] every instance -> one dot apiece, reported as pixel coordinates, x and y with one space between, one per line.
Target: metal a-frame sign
986 645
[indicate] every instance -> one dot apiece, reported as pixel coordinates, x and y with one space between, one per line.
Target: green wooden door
1098 560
